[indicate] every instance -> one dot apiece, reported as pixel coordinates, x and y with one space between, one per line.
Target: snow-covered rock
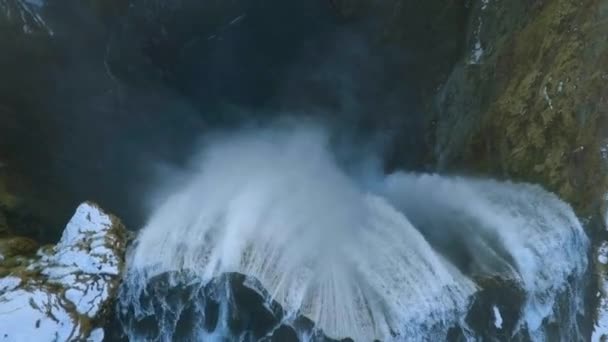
62 292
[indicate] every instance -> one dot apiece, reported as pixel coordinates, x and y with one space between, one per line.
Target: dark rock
176 305
507 296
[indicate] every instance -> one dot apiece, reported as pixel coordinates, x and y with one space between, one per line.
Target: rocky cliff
517 88
528 99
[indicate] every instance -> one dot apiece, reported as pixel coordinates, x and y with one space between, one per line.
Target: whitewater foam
518 231
393 261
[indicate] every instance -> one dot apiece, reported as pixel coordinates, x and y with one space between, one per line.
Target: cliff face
528 99
514 89
431 32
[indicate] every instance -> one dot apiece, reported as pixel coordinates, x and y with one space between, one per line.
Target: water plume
391 259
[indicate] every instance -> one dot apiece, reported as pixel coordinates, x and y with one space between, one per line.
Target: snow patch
602 253
97 335
497 317
26 316
547 98
85 264
9 283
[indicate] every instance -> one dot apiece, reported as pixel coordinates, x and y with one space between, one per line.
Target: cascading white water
392 259
518 230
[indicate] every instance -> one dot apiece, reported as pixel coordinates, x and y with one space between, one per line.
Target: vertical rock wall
528 100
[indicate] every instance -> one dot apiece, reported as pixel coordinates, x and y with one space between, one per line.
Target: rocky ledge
62 292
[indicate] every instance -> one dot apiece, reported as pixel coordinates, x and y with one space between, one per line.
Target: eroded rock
63 292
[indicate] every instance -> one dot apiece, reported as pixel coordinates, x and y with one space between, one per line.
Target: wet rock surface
495 311
230 307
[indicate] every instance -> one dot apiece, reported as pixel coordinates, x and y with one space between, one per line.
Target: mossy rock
17 246
540 111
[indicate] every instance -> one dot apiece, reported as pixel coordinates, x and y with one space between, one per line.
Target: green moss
17 246
543 119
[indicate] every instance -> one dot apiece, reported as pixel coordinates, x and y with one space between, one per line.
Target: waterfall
394 257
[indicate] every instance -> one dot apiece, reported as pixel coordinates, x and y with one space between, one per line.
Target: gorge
316 170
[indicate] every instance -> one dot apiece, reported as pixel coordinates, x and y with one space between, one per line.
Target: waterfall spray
391 259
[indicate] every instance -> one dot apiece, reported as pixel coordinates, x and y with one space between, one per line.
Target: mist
390 255
118 95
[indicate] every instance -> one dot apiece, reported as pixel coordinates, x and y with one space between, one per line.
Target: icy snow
88 295
84 263
97 335
9 283
26 316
